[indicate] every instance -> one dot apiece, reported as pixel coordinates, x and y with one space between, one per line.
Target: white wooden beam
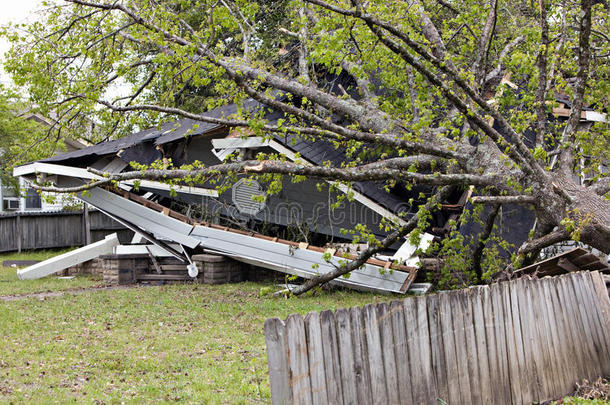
76 172
61 262
49 168
156 251
232 143
156 185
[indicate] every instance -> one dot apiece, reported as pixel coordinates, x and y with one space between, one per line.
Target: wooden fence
48 230
515 342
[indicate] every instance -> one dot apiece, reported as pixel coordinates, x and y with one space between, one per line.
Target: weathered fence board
516 342
49 230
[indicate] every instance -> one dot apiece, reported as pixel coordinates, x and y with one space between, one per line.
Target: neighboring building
30 199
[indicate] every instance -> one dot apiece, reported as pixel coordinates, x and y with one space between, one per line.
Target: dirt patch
51 294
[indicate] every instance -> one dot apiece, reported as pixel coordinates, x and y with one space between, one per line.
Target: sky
15 11
21 11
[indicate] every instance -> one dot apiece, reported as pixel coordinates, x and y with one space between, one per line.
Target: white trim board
48 168
234 143
84 174
69 259
156 250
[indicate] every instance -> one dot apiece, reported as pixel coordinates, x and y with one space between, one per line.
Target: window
32 199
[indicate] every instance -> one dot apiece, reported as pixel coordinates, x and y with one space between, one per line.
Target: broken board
69 259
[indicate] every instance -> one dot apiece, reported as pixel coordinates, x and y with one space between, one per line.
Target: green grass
187 343
10 285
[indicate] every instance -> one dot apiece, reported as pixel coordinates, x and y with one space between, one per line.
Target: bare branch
507 49
566 157
513 199
544 241
541 118
521 154
601 187
482 241
480 65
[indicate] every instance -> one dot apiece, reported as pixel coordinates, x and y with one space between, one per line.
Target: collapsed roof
182 236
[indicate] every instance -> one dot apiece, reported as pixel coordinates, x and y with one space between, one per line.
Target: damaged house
289 232
293 231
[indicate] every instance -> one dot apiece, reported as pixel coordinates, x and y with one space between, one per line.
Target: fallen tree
421 92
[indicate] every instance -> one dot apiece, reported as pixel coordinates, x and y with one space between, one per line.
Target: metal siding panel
143 217
293 260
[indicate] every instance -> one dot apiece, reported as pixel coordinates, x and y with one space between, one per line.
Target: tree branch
566 157
544 241
390 140
513 199
541 118
482 242
378 171
431 205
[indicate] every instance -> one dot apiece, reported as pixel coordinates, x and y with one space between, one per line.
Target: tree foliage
451 94
20 138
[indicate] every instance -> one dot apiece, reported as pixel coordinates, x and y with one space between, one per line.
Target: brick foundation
92 267
215 269
124 269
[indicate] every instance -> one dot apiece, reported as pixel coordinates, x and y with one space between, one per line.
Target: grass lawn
177 343
187 343
10 285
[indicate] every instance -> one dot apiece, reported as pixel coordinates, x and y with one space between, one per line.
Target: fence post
18 231
86 225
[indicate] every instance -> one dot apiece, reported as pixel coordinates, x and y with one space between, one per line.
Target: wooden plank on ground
69 259
331 358
298 360
363 377
384 319
401 345
277 361
346 356
374 353
317 374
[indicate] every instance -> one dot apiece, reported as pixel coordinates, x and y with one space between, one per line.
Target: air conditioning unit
11 204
